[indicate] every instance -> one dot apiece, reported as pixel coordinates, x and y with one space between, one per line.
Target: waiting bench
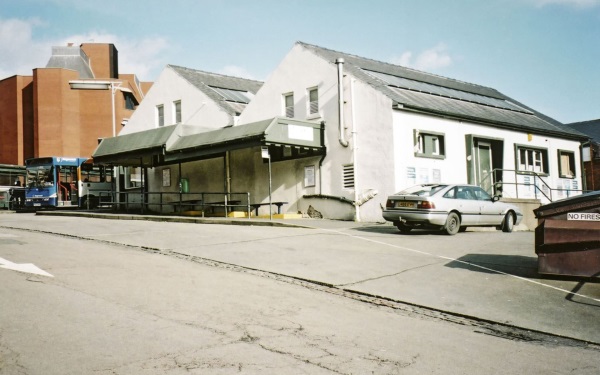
256 206
177 205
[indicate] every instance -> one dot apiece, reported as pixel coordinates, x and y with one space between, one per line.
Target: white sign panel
303 133
309 176
583 216
264 153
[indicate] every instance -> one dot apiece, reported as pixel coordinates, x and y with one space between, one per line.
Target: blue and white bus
67 182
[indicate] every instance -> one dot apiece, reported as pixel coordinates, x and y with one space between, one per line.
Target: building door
485 177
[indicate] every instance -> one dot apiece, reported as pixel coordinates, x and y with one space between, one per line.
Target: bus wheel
89 203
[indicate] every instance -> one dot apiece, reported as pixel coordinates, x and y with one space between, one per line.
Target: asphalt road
146 297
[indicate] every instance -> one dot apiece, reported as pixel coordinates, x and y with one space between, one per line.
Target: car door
490 212
468 205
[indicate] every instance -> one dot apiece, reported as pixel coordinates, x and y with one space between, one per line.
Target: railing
541 188
174 202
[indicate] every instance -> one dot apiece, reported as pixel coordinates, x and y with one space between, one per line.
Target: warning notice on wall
585 216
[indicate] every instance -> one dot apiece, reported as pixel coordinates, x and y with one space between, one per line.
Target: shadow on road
521 266
517 265
393 230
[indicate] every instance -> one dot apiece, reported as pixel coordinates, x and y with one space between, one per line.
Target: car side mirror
496 198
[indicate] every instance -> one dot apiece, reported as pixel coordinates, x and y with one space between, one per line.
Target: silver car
451 208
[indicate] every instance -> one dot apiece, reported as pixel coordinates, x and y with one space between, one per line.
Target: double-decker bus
67 182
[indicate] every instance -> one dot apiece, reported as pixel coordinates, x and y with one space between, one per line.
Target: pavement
489 276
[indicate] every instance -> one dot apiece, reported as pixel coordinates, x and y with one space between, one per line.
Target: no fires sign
585 216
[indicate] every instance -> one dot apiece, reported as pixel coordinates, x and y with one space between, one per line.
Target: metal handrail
183 200
536 178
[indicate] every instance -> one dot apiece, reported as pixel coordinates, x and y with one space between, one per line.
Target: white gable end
196 107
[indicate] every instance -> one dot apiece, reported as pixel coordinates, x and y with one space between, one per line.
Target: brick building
42 115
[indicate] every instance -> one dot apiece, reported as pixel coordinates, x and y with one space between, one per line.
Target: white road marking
463 262
23 267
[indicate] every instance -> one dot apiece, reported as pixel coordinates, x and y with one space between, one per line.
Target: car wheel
452 224
508 223
403 228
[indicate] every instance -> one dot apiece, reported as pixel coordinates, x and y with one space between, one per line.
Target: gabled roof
134 148
414 90
276 131
231 93
590 128
71 57
177 143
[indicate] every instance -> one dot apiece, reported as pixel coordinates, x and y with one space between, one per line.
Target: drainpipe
322 157
340 69
227 173
354 152
592 165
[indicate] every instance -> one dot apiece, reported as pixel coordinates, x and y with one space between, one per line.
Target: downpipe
340 70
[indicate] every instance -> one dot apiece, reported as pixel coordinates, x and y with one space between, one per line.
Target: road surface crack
386 276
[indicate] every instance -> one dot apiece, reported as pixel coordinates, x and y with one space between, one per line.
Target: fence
174 202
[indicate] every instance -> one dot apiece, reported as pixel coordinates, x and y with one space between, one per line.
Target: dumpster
567 238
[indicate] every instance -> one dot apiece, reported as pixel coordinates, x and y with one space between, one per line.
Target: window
480 194
532 160
130 102
313 101
566 164
348 176
96 173
288 102
177 112
160 115
133 177
430 145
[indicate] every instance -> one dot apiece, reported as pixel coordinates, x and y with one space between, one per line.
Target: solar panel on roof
428 88
236 96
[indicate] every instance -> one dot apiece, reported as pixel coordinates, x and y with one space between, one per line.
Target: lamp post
113 86
266 156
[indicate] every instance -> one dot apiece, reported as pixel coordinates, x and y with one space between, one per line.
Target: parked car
451 208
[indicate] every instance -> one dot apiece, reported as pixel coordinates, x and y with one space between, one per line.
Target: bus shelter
284 138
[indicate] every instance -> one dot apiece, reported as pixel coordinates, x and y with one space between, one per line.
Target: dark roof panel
207 82
434 94
590 128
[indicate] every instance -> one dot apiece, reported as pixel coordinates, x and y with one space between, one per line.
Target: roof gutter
484 122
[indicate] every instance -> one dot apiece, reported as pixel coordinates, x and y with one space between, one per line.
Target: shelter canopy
286 138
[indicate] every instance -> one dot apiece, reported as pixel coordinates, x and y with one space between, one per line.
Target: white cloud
579 4
429 60
21 53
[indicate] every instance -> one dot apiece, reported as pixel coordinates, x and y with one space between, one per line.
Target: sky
543 53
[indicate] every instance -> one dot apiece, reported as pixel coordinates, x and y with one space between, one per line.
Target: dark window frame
530 162
572 165
429 144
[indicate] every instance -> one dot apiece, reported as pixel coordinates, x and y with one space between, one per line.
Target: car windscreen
422 190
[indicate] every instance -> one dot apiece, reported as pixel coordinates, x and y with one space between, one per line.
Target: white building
400 127
385 128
